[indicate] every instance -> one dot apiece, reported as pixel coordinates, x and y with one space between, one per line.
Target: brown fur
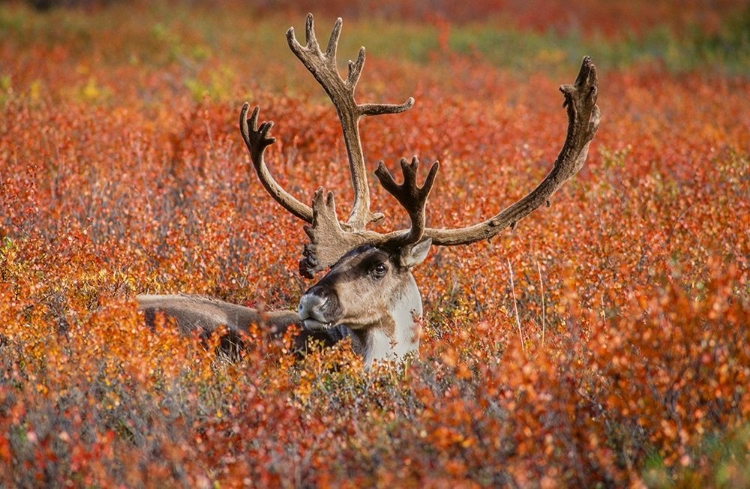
365 299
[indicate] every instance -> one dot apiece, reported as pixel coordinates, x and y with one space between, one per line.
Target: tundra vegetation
602 342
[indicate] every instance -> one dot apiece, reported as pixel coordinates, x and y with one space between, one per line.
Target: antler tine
311 41
410 196
257 140
355 69
333 41
323 67
380 109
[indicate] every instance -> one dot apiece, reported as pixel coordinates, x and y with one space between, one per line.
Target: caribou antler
410 196
583 121
323 68
331 239
257 140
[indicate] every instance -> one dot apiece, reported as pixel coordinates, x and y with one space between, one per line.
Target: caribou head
368 292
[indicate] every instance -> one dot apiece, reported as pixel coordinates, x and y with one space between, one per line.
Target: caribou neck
397 333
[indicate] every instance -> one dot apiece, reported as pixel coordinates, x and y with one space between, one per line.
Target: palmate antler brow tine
323 67
257 140
329 242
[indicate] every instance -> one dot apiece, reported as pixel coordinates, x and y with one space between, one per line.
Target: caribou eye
379 270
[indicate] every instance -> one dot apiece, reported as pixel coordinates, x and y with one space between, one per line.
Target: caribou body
369 296
368 292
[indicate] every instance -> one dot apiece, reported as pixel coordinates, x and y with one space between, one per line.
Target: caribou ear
411 256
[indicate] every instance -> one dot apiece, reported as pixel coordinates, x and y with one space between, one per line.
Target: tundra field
604 342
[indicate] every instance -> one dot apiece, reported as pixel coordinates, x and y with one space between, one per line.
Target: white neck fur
384 343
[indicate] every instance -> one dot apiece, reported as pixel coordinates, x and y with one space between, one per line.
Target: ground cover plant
604 342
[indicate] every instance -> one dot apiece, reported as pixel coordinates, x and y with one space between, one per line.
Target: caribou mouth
318 309
312 318
311 323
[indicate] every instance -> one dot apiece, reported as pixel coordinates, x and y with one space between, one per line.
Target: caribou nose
318 307
310 304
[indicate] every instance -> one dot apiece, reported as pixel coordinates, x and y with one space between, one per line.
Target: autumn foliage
603 342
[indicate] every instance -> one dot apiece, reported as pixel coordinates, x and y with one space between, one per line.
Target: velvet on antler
330 238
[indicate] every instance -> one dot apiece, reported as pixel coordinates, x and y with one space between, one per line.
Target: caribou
368 293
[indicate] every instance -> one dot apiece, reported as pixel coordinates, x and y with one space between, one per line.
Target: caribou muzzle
319 308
